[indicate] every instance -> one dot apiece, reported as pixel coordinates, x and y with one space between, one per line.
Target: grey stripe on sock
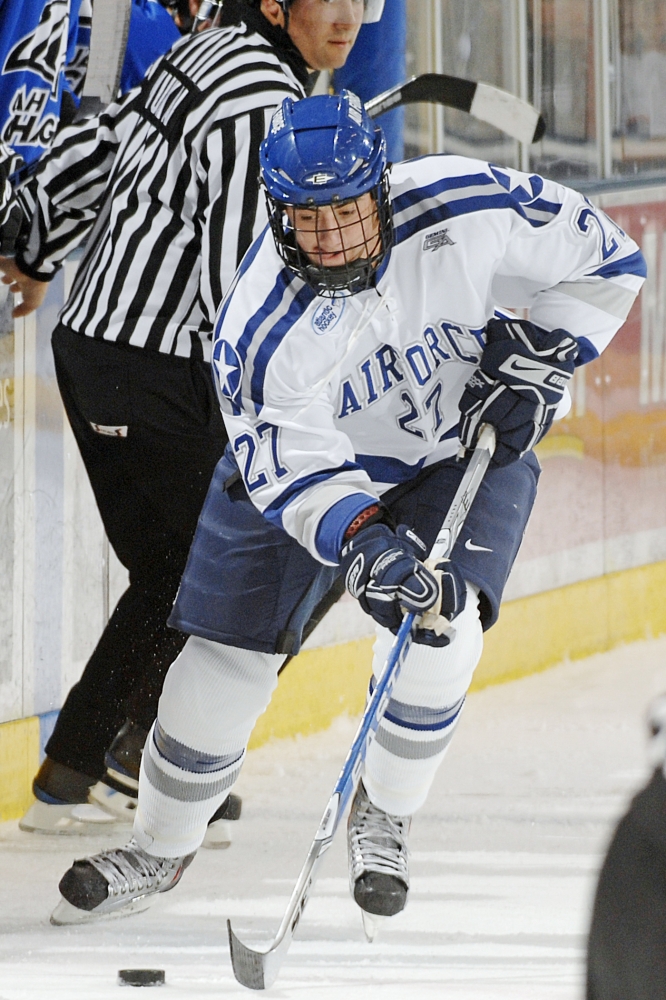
420 716
411 749
189 791
186 757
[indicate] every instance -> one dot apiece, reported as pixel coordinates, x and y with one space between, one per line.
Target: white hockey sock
212 697
422 714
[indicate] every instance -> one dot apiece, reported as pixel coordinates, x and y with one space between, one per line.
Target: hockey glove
520 381
383 569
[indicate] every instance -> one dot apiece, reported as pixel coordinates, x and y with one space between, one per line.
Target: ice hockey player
164 187
37 39
357 349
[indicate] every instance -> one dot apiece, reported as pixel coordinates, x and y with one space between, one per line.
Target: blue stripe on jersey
586 352
441 213
274 511
331 530
272 341
634 264
417 194
383 469
269 305
497 197
248 259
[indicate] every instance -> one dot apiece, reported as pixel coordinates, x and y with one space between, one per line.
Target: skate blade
371 924
65 914
67 820
218 835
121 807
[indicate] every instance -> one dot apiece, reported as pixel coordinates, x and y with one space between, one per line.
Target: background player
37 39
626 952
164 187
355 351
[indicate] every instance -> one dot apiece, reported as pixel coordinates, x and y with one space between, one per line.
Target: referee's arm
61 200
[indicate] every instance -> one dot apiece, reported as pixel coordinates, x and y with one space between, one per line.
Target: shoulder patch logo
433 241
327 315
42 51
229 370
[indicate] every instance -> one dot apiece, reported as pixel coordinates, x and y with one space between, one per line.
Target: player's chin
337 54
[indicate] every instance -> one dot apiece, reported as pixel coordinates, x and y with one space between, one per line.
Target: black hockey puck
141 977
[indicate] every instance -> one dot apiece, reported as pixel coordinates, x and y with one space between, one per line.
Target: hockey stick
259 969
487 103
108 41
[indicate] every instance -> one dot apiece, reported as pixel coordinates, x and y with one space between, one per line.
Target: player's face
324 31
334 235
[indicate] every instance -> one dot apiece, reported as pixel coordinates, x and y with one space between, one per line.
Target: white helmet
373 9
210 10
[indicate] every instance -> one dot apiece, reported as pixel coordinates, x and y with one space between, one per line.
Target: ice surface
504 860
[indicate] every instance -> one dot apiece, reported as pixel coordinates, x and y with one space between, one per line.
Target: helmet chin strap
285 4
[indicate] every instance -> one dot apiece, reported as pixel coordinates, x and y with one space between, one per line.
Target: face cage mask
346 279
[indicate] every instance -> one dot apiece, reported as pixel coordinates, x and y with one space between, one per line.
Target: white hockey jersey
329 402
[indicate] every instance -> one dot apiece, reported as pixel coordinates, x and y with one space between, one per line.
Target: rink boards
591 572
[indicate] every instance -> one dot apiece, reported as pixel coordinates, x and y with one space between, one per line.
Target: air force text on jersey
329 402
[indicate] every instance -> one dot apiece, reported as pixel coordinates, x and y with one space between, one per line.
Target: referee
164 187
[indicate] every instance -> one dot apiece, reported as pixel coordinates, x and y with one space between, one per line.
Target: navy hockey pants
249 584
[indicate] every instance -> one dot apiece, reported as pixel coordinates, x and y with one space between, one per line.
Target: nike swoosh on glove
518 386
384 571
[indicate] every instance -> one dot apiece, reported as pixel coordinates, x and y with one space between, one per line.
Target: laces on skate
377 841
129 869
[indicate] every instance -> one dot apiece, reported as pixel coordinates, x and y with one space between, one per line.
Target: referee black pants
150 433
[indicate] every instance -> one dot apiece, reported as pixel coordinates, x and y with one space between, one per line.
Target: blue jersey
152 32
36 40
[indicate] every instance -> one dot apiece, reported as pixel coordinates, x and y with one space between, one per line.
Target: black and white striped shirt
167 180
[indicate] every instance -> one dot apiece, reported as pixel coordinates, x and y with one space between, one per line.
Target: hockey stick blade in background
258 970
489 104
108 41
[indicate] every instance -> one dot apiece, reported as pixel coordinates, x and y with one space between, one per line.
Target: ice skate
378 861
221 824
117 792
115 883
62 806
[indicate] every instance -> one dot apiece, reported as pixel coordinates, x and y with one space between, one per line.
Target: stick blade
257 970
108 41
489 104
507 112
540 129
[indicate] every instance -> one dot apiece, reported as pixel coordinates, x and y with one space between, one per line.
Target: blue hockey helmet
321 151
